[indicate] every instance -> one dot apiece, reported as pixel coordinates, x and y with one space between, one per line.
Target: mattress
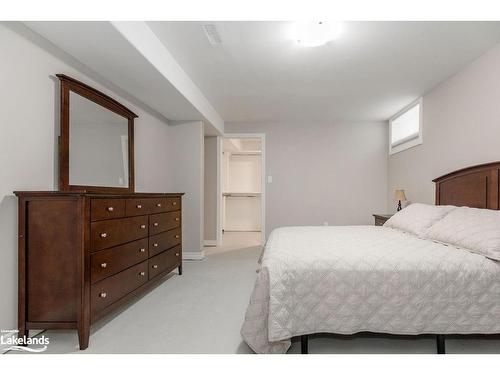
351 279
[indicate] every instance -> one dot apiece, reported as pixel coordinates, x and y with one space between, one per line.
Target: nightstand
380 219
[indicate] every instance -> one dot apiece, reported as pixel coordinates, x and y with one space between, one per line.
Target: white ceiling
259 73
372 71
103 48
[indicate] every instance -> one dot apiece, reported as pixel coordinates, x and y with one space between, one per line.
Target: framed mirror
96 143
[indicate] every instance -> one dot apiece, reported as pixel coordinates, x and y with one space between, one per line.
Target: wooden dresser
81 255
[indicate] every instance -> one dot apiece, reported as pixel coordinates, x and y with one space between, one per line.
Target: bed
346 280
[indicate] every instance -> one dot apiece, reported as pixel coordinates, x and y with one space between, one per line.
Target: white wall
210 191
28 158
322 172
188 177
461 127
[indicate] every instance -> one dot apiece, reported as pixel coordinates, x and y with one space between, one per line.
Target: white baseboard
210 243
199 255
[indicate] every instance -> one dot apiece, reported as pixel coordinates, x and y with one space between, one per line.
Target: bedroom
124 231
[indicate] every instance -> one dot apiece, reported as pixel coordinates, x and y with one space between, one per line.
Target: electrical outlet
325 223
269 179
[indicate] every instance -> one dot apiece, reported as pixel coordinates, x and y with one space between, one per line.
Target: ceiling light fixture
315 33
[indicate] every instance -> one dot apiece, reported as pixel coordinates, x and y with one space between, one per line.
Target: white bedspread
366 278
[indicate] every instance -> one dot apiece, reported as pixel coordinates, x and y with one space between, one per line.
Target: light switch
269 179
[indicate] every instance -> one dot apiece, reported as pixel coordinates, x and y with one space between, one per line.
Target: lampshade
399 195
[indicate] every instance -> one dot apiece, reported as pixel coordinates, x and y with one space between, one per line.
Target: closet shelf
241 194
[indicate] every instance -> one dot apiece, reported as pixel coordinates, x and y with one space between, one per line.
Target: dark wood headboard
476 186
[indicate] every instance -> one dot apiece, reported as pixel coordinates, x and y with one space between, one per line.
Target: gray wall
210 170
187 174
461 127
28 157
322 172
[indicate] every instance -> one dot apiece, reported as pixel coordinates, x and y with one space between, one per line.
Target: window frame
414 141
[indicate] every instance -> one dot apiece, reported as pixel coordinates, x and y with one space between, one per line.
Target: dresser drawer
138 206
108 233
101 209
144 206
159 205
108 262
173 204
110 290
162 222
164 241
167 260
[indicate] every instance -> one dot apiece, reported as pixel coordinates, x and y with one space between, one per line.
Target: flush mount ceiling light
315 33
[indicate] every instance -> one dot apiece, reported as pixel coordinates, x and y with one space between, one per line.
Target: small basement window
405 128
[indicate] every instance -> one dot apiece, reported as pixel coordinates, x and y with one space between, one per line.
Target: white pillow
474 229
417 218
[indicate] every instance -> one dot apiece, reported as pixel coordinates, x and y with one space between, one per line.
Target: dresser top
93 195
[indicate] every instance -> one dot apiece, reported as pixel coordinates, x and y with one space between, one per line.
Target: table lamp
399 196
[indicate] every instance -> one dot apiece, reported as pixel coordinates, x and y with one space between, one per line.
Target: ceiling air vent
212 34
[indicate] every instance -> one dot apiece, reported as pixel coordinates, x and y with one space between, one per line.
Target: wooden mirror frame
68 84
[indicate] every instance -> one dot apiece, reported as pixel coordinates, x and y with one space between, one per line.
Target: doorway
242 189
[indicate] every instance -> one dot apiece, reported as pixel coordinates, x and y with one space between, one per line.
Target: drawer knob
155 244
177 219
104 265
139 206
142 273
155 266
104 235
158 204
103 294
155 224
176 254
110 209
143 226
176 236
143 250
174 203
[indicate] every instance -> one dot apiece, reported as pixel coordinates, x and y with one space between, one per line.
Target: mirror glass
98 145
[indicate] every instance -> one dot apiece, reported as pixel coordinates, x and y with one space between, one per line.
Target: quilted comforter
365 278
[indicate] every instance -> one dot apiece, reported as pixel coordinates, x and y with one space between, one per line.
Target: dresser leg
180 269
83 337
